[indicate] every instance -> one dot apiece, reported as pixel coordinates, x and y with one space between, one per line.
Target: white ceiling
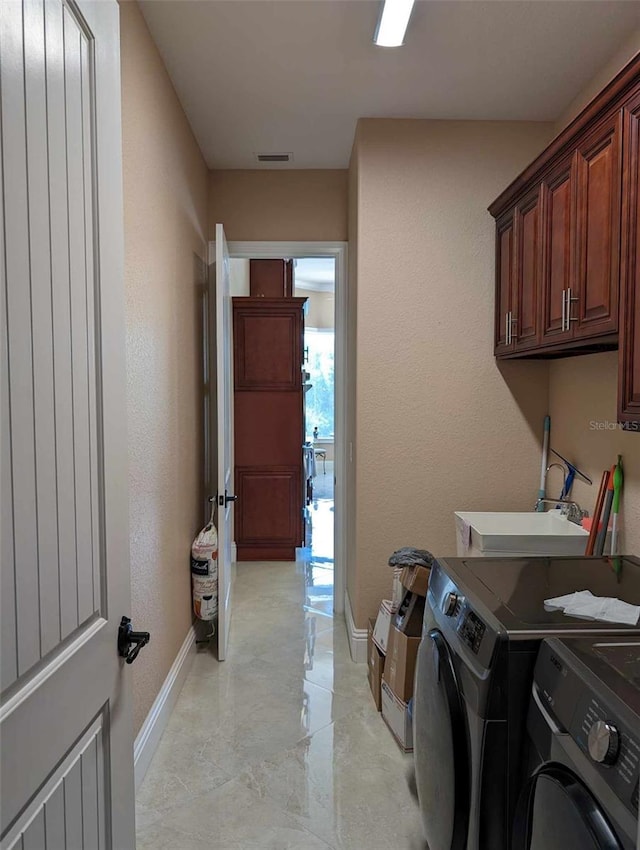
295 75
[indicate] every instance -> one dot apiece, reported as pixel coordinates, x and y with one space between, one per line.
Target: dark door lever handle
224 500
127 637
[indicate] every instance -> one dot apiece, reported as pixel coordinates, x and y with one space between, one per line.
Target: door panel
558 265
629 363
441 738
268 350
268 429
595 309
525 309
558 812
270 499
65 547
70 811
221 355
504 281
56 591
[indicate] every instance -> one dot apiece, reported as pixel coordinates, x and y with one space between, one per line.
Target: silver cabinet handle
570 300
564 310
507 327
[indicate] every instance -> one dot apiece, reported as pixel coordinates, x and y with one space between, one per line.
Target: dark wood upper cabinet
271 278
593 301
629 355
567 237
558 262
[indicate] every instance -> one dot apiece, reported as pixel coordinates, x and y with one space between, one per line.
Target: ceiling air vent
274 157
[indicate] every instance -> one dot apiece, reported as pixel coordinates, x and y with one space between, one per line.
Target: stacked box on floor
377 637
402 649
375 663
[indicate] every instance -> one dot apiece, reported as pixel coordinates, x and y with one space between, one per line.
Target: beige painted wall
582 403
165 219
439 426
583 390
320 309
274 205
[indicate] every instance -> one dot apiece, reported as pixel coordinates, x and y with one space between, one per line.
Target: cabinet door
558 269
272 503
504 283
629 370
525 311
271 278
594 304
267 336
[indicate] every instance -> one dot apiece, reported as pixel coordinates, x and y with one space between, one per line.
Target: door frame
338 251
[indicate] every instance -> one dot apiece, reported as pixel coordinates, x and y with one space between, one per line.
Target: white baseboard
357 637
155 722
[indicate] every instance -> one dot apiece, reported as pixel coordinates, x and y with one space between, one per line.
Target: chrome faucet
571 510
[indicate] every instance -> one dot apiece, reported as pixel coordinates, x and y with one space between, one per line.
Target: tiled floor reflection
280 746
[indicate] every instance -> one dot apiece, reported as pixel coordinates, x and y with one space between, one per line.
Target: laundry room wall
583 390
165 220
439 425
275 205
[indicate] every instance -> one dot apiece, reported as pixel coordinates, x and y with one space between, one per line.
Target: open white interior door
66 736
223 474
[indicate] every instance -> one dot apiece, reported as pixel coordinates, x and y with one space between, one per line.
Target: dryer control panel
601 719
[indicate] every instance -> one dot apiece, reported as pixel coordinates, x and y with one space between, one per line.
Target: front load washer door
557 811
441 751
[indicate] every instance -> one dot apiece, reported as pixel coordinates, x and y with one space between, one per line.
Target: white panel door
66 737
223 473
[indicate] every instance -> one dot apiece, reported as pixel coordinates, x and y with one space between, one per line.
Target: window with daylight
320 364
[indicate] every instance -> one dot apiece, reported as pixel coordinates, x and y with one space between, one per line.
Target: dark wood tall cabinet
268 427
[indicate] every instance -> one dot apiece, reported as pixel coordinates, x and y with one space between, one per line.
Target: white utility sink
494 534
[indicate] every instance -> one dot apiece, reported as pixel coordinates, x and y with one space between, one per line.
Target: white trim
337 250
357 637
148 737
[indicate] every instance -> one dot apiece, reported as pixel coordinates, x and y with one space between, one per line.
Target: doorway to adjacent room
320 277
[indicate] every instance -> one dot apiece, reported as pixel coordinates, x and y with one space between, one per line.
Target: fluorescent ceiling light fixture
393 22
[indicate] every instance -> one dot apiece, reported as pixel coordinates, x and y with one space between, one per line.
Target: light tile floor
281 745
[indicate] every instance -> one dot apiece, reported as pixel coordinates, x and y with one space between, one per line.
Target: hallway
281 745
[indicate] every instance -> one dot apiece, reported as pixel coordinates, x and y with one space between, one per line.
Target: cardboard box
400 663
416 579
375 664
383 624
396 716
410 614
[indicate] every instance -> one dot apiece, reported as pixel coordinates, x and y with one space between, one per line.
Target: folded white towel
584 604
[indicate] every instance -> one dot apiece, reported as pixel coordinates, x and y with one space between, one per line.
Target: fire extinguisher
204 571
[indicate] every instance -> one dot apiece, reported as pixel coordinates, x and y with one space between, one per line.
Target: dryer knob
604 742
449 603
